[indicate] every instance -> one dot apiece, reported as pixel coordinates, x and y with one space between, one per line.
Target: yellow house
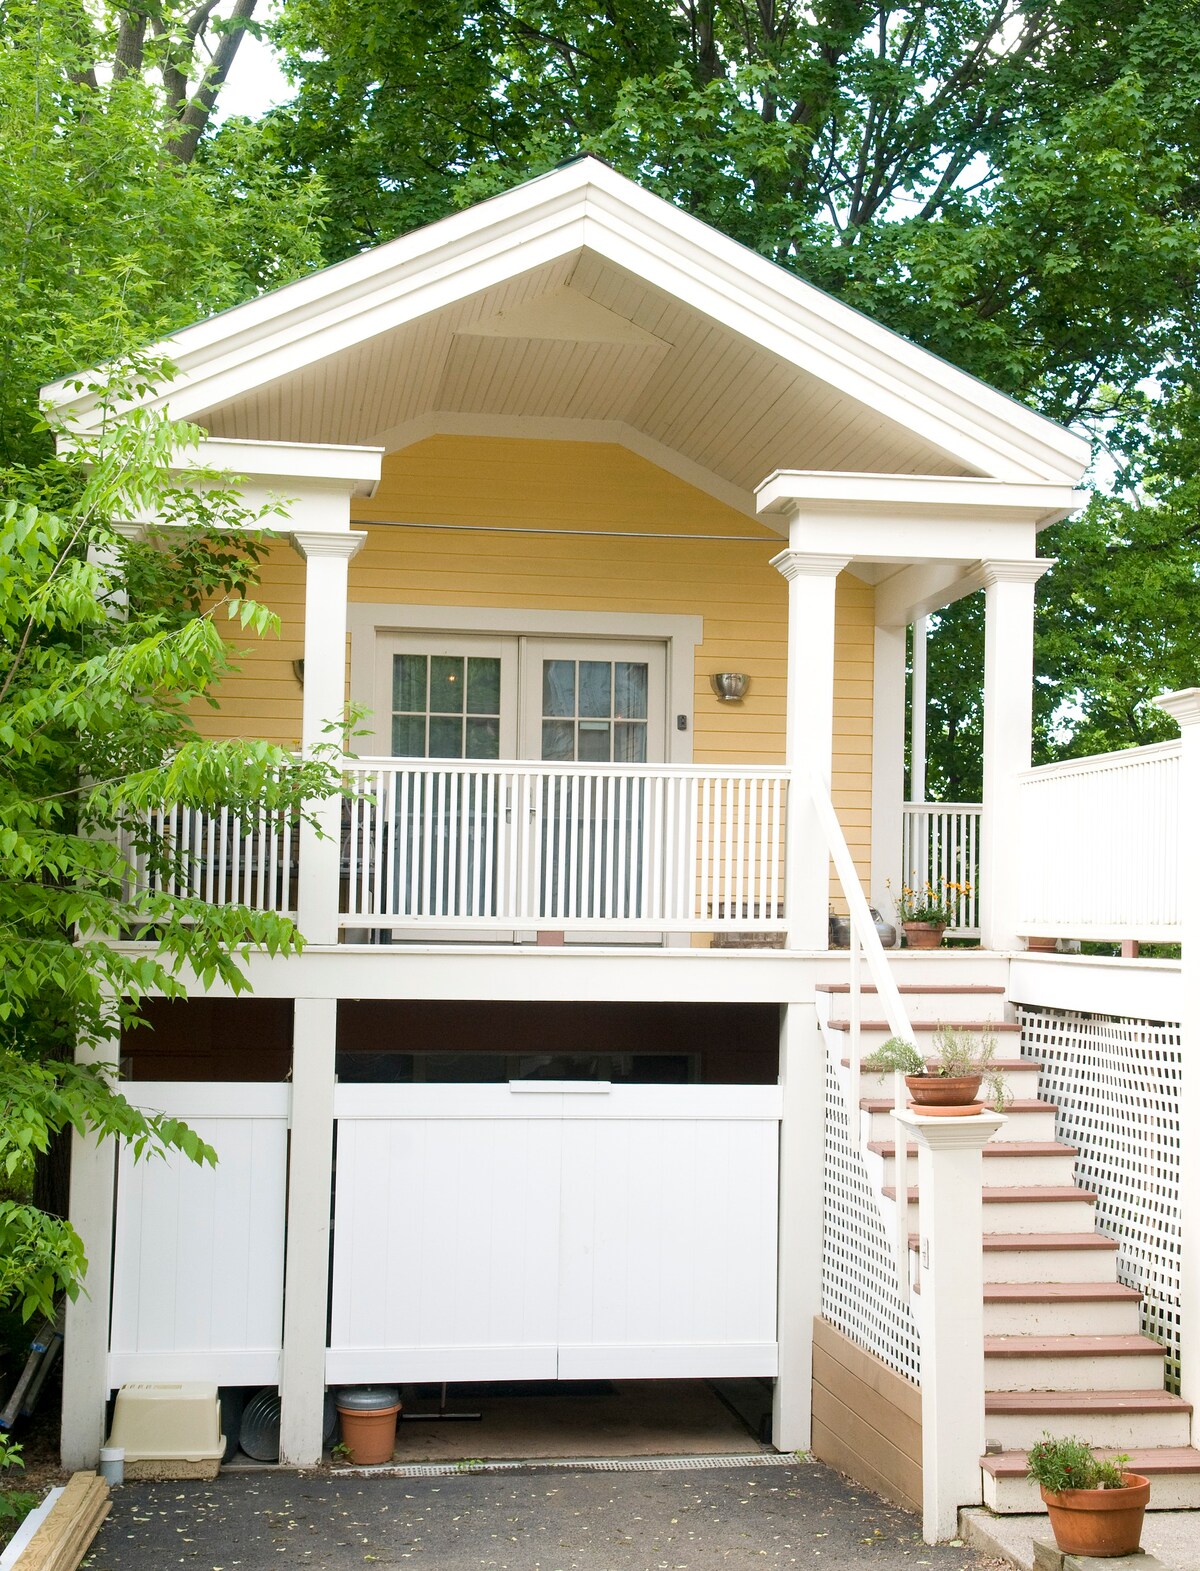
614 531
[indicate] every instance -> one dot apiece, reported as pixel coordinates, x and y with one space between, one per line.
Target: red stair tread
1054 1292
978 1027
999 1195
916 987
883 1104
1154 1463
994 1149
1071 1347
1084 1402
1007 1241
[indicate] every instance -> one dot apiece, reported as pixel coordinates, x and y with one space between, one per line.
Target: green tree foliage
1011 183
107 239
107 645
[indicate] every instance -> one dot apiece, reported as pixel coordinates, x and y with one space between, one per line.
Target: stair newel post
900 1139
950 1179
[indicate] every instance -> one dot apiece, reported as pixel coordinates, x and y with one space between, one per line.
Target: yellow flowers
931 903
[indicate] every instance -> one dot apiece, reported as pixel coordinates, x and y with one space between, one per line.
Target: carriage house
616 532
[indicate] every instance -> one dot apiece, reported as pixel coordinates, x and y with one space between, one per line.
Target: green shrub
1068 1463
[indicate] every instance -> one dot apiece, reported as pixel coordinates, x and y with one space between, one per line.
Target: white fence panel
941 846
218 856
554 1229
198 1257
1099 846
657 848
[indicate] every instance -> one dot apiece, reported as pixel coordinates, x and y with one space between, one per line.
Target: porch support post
1184 707
950 1176
327 566
306 1267
801 1220
85 1339
887 770
1007 740
812 588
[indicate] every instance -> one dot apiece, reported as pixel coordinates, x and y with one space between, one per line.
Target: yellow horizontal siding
576 487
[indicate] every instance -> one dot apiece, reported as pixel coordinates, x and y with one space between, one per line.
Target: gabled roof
582 279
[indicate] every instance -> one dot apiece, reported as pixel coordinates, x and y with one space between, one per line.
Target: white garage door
554 1229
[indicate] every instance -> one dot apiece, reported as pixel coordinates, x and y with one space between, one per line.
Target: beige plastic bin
169 1429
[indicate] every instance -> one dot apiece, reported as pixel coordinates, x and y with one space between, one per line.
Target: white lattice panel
1116 1084
859 1291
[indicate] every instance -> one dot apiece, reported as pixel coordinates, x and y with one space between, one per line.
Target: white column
887 769
812 586
920 706
950 1178
327 567
306 1269
85 1340
1007 740
1184 707
801 1220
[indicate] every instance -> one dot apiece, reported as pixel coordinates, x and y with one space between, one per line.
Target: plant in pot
925 913
948 1083
1096 1507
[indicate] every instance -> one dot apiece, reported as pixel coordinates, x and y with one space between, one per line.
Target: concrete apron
1170 1542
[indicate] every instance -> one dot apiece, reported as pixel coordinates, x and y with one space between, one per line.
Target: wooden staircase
1063 1349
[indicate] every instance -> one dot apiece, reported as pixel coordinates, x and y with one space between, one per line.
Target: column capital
1026 571
808 564
951 1134
328 542
1183 705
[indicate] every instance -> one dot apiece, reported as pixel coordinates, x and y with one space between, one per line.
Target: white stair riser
1045 1372
1056 1172
1022 1083
1034 1217
943 967
1020 1126
1049 1265
1019 1497
1118 1431
1077 1317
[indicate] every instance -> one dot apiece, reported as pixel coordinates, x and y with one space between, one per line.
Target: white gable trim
588 205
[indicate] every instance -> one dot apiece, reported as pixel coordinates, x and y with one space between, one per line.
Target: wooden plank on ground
63 1539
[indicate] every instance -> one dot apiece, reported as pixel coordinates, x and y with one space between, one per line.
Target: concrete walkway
541 1519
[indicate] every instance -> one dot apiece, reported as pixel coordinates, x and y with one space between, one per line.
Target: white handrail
865 940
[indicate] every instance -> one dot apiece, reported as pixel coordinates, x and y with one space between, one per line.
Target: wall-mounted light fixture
730 686
298 671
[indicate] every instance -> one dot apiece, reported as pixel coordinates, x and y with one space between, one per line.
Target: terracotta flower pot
923 935
944 1090
1099 1522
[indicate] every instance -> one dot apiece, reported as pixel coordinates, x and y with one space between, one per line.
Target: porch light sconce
298 671
730 686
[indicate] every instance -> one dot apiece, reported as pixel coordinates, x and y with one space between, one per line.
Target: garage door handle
560 1087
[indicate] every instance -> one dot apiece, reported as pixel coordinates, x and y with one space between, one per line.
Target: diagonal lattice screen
859 1291
1116 1084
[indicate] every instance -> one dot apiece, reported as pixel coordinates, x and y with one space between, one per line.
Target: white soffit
785 375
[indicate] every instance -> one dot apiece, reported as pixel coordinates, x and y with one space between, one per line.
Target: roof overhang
586 206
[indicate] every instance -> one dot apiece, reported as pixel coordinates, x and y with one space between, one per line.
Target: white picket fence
1098 848
941 847
658 848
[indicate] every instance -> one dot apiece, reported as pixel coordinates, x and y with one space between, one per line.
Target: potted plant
1096 1507
947 1084
926 913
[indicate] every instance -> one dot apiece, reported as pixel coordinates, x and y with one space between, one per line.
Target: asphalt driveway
541 1519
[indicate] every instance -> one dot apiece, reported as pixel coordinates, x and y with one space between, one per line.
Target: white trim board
681 635
586 205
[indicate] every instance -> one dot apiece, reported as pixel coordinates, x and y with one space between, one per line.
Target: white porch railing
941 846
1099 846
563 846
218 856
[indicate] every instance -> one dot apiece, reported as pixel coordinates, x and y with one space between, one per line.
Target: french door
479 699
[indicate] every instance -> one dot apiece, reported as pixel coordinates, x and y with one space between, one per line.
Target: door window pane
446 684
629 743
594 742
408 736
445 736
558 687
483 686
595 688
483 738
558 741
632 688
409 683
